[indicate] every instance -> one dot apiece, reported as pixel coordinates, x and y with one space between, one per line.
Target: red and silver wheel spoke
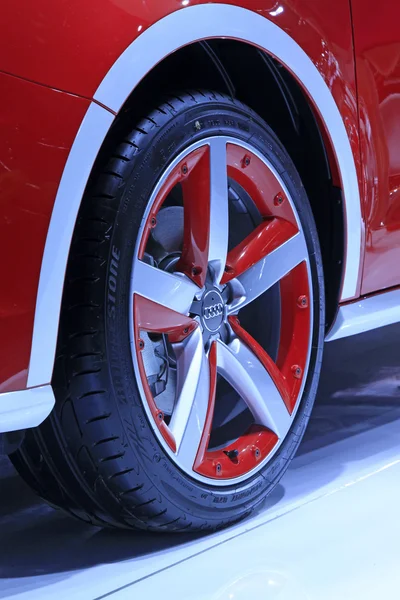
171 291
248 376
269 270
192 398
266 238
219 209
205 193
194 303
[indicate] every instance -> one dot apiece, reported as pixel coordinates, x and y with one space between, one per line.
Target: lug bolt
141 344
302 301
160 415
245 161
297 371
153 222
278 200
186 330
218 468
184 169
196 271
257 452
232 454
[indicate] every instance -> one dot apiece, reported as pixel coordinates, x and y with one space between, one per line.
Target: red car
194 197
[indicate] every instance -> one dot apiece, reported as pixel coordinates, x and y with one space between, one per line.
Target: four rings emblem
209 312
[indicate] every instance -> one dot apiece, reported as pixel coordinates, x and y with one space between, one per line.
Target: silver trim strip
164 37
365 315
26 408
90 136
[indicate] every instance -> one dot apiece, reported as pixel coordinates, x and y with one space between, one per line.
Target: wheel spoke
263 356
178 306
266 238
196 205
206 223
219 208
247 375
269 270
192 398
173 291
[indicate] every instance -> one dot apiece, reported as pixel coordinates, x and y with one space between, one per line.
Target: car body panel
377 47
38 127
198 22
61 56
87 39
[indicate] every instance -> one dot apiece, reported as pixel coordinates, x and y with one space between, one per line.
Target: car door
377 50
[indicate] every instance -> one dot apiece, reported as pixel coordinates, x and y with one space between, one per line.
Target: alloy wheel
192 280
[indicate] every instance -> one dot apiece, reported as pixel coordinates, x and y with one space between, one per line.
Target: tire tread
70 460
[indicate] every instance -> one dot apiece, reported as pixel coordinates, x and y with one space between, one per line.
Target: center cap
212 310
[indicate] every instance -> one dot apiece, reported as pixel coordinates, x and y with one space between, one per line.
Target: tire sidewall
156 150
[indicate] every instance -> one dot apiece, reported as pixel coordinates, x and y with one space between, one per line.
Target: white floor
331 530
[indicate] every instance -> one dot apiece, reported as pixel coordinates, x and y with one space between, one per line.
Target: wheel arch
143 57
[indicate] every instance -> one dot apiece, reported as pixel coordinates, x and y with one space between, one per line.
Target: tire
101 455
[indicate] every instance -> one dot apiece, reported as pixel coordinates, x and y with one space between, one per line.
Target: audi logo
215 310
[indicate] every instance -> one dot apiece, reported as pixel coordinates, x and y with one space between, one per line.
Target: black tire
96 456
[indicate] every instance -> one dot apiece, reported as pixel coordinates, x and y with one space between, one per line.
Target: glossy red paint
268 236
86 38
264 188
275 374
157 415
193 173
152 317
38 127
377 46
200 459
294 338
251 448
295 329
71 46
196 186
287 373
279 223
260 183
94 34
180 175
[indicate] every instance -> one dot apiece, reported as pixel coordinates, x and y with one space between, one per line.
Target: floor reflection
359 387
359 392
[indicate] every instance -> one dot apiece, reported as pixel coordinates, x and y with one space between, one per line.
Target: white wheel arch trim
25 408
158 41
